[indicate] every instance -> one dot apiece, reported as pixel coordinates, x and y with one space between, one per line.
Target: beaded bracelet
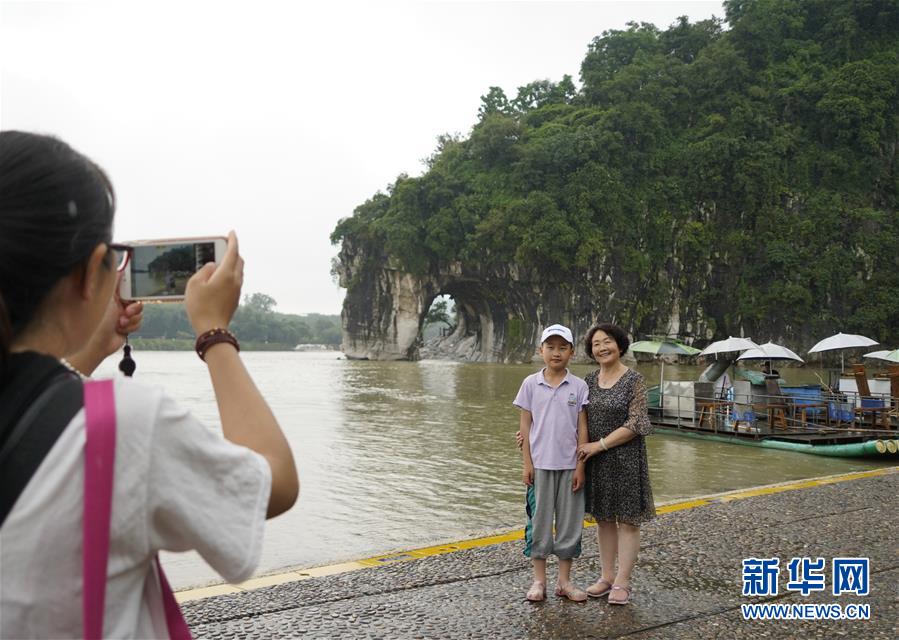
211 337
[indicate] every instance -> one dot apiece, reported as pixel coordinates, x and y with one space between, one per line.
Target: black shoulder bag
38 399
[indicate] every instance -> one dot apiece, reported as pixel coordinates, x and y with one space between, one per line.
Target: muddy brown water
397 455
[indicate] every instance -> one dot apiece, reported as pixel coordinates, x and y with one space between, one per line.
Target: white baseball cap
557 330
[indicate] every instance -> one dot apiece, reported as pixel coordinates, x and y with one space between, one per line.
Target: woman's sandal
616 588
573 593
537 592
599 589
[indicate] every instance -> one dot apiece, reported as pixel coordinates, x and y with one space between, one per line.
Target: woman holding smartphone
177 485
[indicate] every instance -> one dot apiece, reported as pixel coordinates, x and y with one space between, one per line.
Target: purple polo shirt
553 434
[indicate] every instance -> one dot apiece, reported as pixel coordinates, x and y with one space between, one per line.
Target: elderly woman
619 495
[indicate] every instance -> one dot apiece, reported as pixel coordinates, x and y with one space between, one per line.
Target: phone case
158 270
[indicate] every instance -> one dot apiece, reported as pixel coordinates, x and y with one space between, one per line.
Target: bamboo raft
781 423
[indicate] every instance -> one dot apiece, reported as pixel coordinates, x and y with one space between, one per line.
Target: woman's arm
582 439
524 426
637 411
636 424
211 298
247 420
618 437
119 320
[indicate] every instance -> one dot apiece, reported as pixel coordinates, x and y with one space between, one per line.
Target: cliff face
501 310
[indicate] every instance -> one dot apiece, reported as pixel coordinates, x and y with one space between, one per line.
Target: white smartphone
158 270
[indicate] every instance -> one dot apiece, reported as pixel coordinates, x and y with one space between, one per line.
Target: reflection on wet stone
686 583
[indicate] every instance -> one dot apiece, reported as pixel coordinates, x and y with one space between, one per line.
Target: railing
765 414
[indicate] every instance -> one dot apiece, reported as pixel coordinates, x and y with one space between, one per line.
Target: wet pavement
687 584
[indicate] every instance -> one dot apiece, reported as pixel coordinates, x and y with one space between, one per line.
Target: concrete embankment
688 582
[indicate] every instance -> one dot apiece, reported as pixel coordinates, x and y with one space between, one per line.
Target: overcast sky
278 118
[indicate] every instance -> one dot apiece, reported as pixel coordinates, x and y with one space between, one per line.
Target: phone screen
163 269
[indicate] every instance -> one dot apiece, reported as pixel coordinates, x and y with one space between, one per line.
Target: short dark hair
617 333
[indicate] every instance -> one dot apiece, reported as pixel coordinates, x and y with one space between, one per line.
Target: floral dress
618 486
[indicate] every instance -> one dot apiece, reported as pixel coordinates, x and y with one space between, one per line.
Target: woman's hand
577 482
130 319
527 474
587 451
213 292
120 320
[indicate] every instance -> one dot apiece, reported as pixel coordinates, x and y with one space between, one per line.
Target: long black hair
56 206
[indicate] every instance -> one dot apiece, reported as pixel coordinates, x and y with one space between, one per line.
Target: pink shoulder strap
174 619
99 463
99 460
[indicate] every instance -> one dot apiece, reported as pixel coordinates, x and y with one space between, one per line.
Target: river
396 455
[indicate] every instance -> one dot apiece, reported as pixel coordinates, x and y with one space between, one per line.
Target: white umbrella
892 356
842 341
883 355
731 344
770 351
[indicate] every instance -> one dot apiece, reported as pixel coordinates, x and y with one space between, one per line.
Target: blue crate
873 403
804 395
841 411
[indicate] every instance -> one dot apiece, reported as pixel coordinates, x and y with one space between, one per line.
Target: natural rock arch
500 310
385 307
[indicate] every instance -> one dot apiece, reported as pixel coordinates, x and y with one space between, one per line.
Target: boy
553 424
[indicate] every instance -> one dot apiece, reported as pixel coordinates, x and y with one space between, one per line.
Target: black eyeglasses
121 253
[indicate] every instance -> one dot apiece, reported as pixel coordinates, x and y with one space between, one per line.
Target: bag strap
174 619
99 465
38 400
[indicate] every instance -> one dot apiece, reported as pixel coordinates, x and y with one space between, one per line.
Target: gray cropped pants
549 498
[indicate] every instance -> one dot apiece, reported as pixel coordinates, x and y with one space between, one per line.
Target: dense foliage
751 168
255 321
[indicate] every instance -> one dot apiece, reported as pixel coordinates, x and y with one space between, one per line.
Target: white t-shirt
178 486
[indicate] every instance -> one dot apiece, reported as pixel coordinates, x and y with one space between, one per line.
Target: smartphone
158 270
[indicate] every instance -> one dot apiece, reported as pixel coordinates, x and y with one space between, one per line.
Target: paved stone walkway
688 581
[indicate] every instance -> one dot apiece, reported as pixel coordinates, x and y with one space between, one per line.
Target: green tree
260 302
255 321
748 172
439 313
494 102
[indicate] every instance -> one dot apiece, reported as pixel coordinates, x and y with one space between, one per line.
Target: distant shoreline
185 344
